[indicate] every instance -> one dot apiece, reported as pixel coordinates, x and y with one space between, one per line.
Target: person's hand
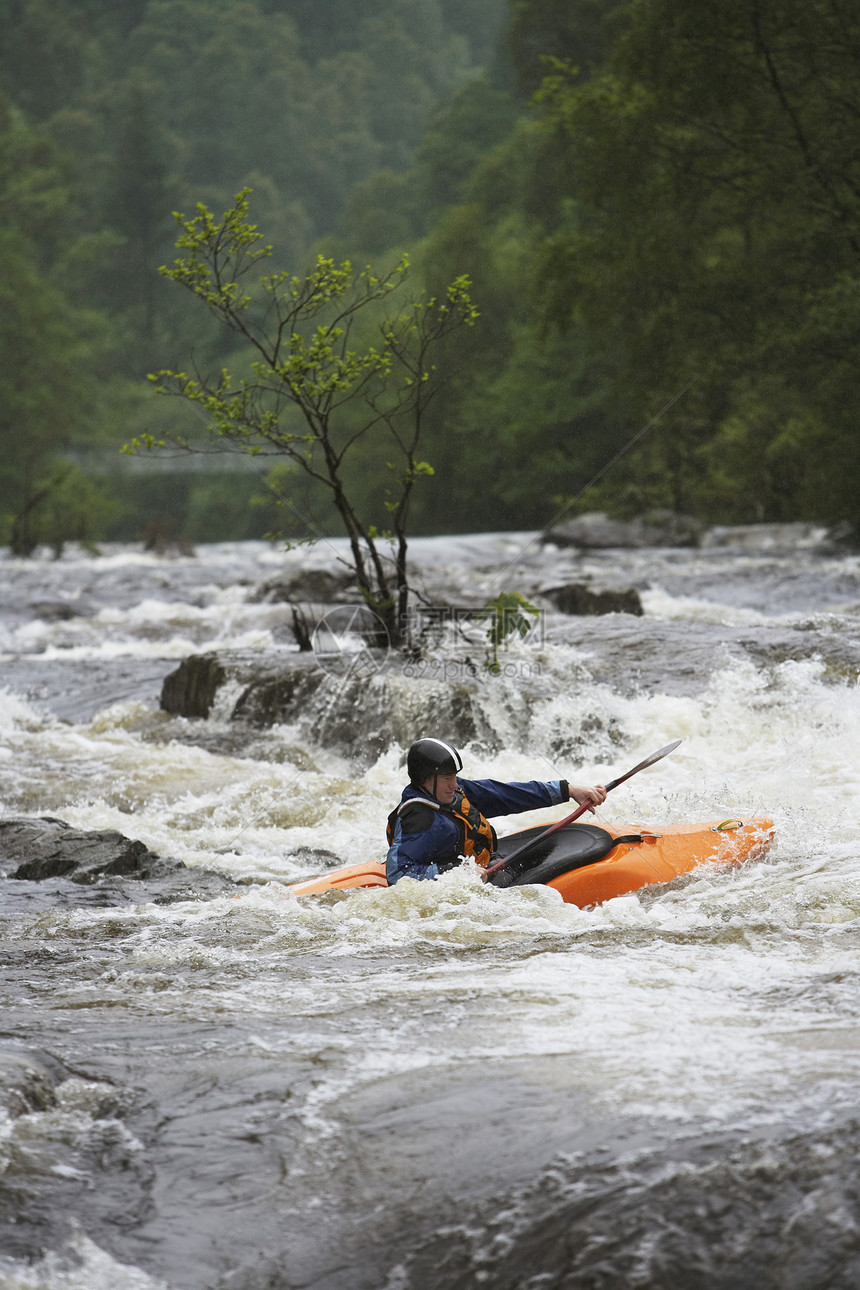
589 797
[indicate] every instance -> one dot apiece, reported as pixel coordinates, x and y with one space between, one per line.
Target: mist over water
444 1084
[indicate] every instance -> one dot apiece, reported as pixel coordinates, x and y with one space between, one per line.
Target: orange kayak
588 863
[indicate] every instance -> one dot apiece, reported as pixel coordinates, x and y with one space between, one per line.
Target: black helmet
431 757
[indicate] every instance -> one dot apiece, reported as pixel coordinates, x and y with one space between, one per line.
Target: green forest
656 206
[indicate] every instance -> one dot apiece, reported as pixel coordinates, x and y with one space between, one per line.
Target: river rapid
444 1085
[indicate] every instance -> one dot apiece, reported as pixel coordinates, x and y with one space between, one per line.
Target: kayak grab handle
637 837
726 825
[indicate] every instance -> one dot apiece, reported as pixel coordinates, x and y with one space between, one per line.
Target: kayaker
441 818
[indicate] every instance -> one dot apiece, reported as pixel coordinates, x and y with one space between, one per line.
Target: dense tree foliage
678 211
51 350
714 236
648 197
147 106
165 103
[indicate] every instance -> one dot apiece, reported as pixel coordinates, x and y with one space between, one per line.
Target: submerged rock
595 530
773 537
581 598
322 586
25 1084
41 848
661 528
55 611
36 849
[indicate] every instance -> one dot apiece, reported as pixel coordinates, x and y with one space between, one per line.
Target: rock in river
258 688
580 598
323 586
359 712
36 849
48 848
595 530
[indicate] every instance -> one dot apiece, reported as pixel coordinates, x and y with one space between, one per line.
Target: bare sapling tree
314 393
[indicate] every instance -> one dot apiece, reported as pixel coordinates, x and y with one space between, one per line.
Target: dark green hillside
648 199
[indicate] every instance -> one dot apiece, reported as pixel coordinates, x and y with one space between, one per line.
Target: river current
444 1086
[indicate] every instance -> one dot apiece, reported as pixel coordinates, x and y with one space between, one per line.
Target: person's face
446 786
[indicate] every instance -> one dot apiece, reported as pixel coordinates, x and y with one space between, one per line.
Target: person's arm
492 797
420 837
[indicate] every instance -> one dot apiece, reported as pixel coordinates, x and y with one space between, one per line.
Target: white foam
692 1000
16 714
658 603
79 1265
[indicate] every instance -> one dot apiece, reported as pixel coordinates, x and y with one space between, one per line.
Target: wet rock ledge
595 530
258 687
359 712
35 849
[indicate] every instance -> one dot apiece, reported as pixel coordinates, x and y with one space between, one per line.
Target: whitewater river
446 1086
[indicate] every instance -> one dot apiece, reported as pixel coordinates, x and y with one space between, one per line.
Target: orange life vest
477 835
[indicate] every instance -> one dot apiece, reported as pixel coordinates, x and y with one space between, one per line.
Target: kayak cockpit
569 848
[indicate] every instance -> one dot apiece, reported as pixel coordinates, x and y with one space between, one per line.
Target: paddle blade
649 761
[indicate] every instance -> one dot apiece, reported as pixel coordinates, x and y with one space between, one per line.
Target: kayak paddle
568 819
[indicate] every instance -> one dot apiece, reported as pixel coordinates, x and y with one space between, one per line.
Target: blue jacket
437 842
